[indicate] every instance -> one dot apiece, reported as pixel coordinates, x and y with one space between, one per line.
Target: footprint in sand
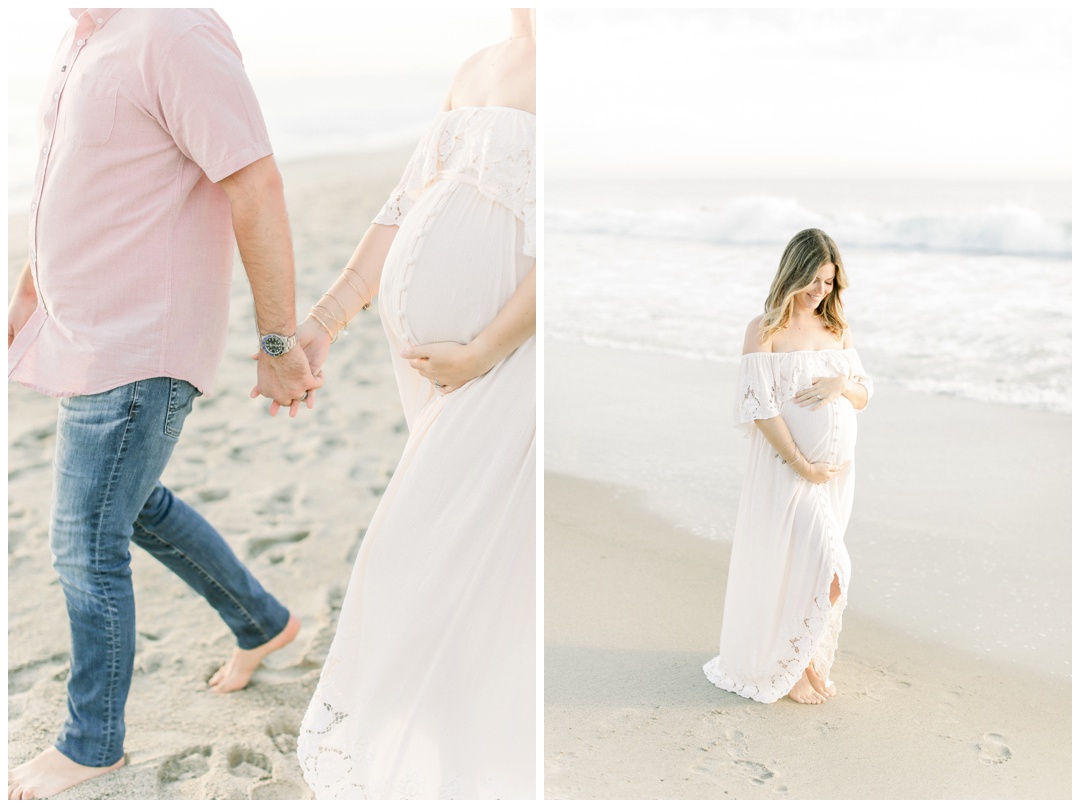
757 772
280 502
993 749
249 764
212 494
24 677
282 734
259 545
187 765
720 772
274 790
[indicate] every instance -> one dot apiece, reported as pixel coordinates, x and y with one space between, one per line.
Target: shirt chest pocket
89 109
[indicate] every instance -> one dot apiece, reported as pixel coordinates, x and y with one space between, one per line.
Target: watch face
274 344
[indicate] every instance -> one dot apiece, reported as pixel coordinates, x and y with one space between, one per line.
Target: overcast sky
755 93
973 93
301 40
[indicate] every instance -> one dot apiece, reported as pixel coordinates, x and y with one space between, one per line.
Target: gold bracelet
329 311
361 277
344 311
326 328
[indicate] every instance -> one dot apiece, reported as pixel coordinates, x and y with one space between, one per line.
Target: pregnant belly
452 265
825 435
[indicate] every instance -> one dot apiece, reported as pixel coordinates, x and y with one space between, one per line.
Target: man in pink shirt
154 157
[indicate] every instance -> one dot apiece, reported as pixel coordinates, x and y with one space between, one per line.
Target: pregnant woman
800 384
428 689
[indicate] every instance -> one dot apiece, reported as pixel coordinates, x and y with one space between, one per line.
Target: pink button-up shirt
131 242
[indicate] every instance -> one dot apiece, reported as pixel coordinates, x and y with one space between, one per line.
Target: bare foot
804 692
819 684
237 672
50 773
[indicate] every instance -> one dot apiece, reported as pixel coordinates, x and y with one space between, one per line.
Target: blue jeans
111 449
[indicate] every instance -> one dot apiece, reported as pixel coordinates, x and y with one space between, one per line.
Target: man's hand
286 379
23 304
19 312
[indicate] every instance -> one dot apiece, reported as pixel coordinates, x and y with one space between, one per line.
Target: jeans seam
112 615
208 577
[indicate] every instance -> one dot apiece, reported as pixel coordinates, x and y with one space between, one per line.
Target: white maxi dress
789 534
428 690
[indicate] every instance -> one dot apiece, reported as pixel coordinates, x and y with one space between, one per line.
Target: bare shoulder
752 342
849 339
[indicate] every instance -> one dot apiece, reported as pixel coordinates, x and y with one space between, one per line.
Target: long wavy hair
802 257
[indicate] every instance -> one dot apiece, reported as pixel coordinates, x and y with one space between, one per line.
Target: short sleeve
859 375
208 105
411 185
756 395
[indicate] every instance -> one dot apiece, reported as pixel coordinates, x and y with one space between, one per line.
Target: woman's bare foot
819 684
804 692
50 773
237 672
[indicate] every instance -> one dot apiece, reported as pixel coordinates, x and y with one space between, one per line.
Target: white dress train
789 534
429 690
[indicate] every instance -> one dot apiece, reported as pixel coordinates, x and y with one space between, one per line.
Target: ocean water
956 288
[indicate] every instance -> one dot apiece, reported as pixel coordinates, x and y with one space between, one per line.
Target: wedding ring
304 397
819 398
437 384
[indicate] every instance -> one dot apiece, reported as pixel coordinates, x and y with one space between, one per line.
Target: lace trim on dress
495 144
815 643
768 380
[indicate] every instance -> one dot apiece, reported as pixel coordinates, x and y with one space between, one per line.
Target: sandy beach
953 668
293 497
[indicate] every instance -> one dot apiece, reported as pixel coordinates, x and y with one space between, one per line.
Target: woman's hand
315 342
823 390
817 473
448 365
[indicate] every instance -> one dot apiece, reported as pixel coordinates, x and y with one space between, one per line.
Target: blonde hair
802 258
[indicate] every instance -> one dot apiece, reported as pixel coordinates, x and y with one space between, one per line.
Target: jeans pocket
181 396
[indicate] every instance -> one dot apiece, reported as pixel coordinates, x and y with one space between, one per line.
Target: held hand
20 310
314 340
286 379
823 390
447 364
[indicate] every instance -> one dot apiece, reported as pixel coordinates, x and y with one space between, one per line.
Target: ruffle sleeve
859 375
495 145
756 395
412 182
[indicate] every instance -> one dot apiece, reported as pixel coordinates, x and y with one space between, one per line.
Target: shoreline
942 691
946 493
633 610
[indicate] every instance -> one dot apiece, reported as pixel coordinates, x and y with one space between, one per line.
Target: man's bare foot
50 773
237 672
804 692
819 684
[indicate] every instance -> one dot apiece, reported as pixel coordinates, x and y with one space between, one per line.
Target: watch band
276 344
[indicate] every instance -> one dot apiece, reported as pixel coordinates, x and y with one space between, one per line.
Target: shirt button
80 42
56 96
100 21
44 149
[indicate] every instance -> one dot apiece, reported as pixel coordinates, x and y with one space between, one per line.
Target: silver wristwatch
276 344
